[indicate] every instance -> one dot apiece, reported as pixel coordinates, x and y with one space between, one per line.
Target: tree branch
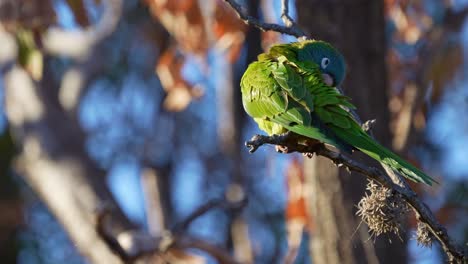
79 44
288 21
132 245
289 29
454 253
216 203
58 169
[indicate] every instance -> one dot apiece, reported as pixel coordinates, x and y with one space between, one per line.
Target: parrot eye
325 62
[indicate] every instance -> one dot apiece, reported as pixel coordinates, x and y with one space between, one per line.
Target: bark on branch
454 253
289 29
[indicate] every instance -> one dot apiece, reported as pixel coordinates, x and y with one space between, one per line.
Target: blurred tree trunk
357 29
231 121
53 160
11 207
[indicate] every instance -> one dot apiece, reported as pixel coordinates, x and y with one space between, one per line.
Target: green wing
332 109
280 90
274 91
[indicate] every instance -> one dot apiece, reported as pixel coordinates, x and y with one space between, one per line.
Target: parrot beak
328 79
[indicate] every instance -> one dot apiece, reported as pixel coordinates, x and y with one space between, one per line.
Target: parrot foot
280 141
282 149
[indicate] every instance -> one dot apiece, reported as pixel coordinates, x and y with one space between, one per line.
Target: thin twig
287 20
142 244
217 203
78 44
252 21
368 125
454 253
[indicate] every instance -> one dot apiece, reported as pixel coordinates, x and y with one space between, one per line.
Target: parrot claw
282 149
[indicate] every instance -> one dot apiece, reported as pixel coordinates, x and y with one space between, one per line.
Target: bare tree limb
154 209
79 44
287 20
454 253
217 203
250 20
53 160
133 245
64 178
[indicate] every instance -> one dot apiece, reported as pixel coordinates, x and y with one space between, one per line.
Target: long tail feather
370 147
345 138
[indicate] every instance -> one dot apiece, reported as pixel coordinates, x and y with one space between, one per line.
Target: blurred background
134 106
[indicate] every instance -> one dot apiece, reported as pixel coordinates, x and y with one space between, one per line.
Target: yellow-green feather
283 93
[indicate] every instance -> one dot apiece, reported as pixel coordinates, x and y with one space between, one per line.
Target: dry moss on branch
383 210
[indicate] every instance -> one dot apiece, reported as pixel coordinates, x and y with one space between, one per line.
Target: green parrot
292 88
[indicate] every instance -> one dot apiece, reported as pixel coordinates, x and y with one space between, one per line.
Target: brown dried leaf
184 21
79 11
229 30
296 209
177 100
297 216
269 38
179 92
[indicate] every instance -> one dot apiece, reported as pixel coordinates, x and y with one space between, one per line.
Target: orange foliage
184 21
195 30
269 38
229 30
296 207
179 92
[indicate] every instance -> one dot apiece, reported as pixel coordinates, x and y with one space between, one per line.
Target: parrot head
330 61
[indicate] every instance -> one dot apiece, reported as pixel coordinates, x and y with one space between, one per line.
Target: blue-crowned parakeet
292 88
